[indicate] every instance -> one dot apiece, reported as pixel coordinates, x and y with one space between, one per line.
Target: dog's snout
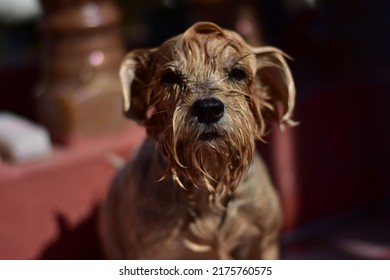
208 110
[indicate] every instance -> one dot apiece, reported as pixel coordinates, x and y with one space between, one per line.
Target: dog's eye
171 78
238 75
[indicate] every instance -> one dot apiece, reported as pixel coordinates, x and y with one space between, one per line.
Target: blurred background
58 77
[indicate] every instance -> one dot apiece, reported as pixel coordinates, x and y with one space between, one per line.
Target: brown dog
204 98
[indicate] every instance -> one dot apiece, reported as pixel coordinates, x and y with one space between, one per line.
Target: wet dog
197 188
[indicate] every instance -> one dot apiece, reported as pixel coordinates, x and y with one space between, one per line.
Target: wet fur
182 197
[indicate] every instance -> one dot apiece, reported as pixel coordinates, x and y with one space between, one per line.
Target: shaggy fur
223 204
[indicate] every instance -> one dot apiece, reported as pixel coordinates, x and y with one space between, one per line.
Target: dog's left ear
274 73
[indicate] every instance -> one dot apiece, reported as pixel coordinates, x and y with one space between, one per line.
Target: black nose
208 110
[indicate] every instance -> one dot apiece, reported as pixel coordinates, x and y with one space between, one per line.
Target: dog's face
204 96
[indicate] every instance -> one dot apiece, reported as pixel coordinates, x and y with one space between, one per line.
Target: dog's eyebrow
236 60
170 66
243 57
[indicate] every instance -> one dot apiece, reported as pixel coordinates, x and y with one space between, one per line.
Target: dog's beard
214 157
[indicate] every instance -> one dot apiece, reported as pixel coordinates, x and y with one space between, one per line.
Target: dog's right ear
135 75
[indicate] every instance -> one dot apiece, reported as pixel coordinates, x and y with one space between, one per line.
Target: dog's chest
180 220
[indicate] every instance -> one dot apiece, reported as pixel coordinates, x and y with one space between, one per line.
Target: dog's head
205 96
